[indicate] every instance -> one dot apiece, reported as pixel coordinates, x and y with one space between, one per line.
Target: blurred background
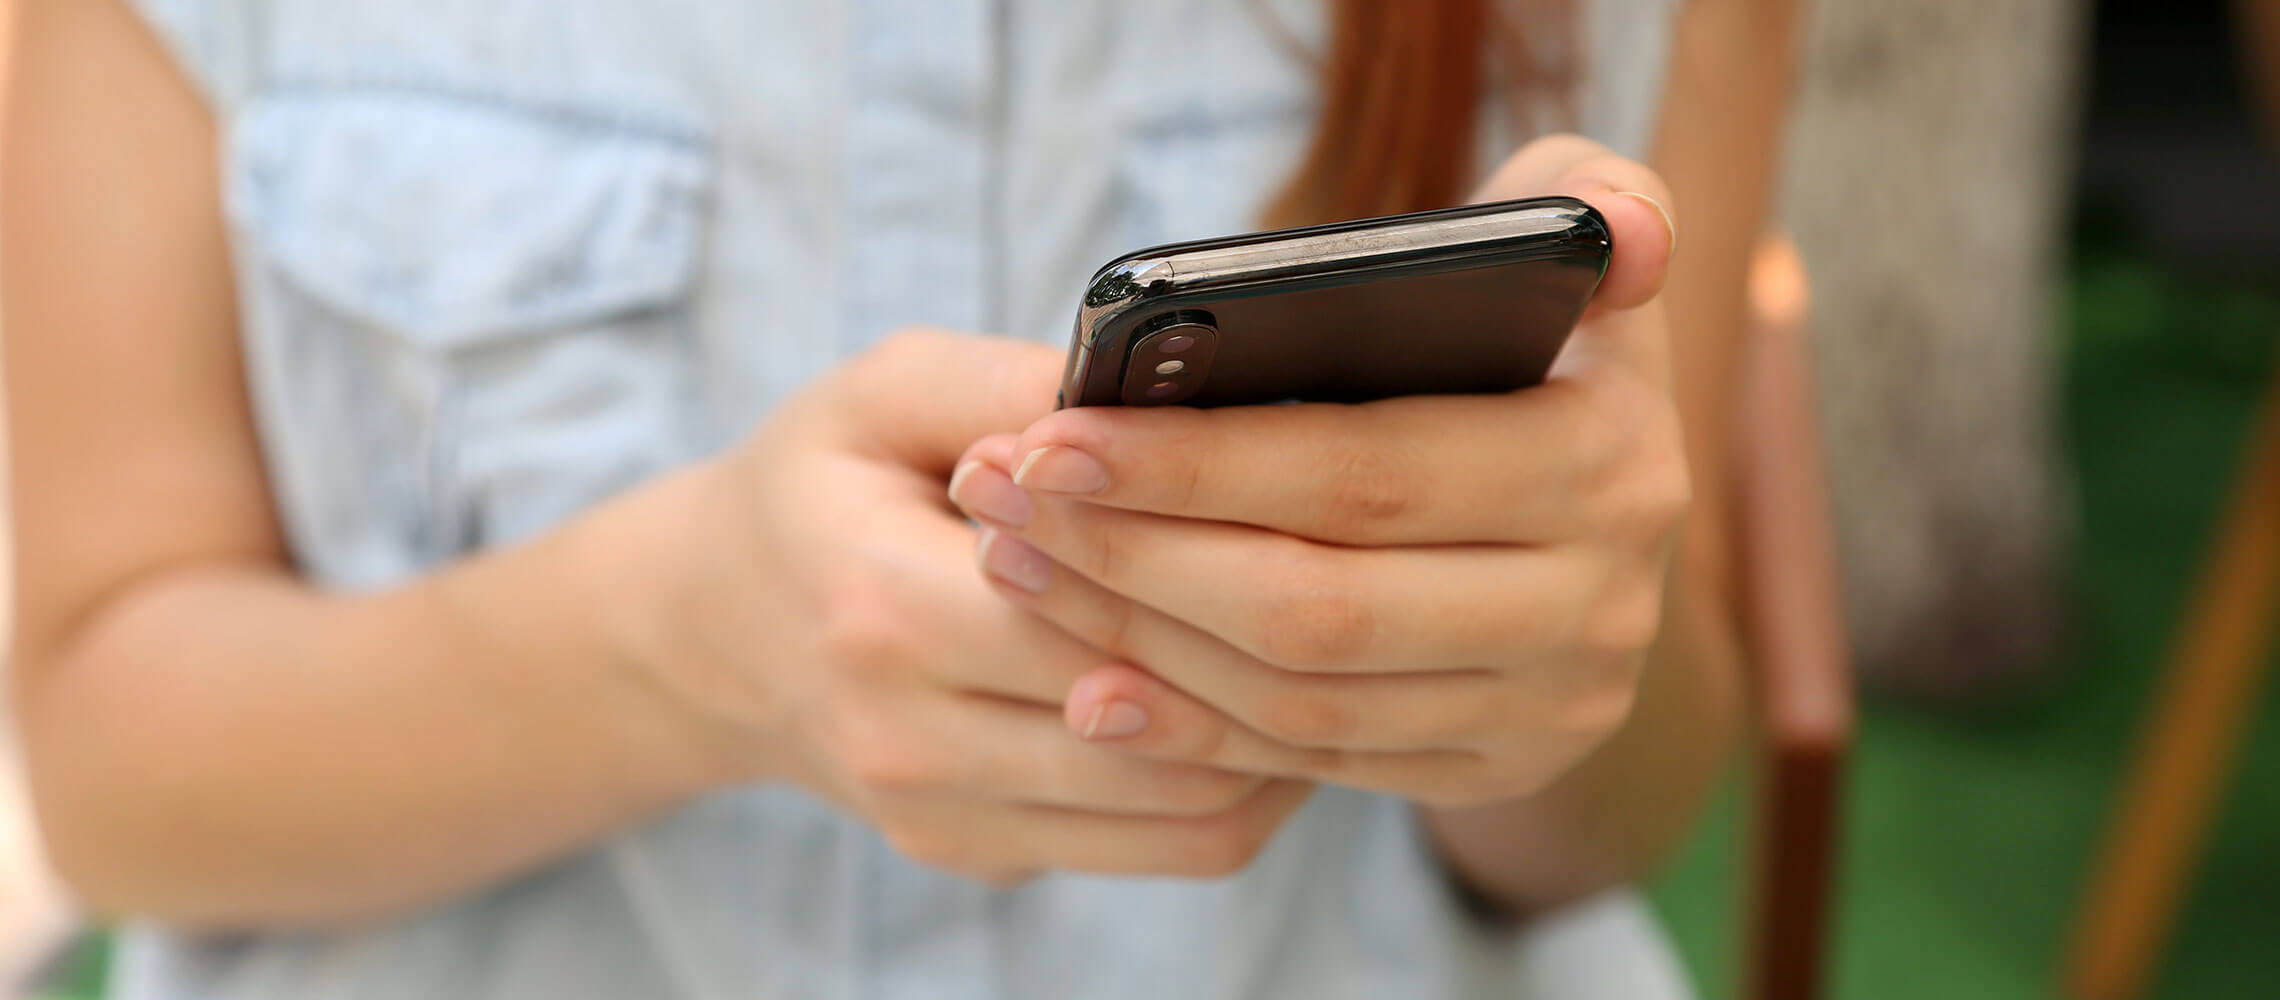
2043 356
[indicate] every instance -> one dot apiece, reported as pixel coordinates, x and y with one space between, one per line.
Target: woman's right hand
220 738
834 622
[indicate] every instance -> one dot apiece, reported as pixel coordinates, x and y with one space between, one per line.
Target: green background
1968 833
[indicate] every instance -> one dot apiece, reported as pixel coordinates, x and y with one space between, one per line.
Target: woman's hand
1446 598
835 623
219 742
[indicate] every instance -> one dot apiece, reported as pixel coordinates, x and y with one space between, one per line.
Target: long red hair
1401 94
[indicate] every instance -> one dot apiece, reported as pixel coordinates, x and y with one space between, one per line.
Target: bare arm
1612 818
209 739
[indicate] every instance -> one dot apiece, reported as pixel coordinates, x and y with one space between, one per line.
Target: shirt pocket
469 317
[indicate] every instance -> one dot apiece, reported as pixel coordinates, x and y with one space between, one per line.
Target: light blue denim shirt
499 260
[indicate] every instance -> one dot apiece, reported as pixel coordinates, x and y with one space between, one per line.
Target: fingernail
986 493
1115 720
1669 226
1061 469
1015 561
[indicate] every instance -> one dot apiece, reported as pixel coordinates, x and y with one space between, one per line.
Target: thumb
1632 198
923 395
1624 323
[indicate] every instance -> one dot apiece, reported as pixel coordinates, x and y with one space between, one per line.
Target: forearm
223 745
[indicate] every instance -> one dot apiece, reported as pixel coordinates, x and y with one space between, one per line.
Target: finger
1022 753
1000 450
1000 842
991 649
922 396
1228 709
1136 711
1633 199
1531 467
1213 846
1182 728
1623 326
1302 605
1472 719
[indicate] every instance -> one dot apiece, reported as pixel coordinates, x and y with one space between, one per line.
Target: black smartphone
1477 299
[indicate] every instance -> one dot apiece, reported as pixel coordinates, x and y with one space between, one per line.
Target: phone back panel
1477 316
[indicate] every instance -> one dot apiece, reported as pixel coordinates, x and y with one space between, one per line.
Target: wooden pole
2207 692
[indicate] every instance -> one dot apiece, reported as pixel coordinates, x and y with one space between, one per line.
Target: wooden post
2208 689
1792 613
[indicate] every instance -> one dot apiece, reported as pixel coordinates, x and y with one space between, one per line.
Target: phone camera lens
1169 360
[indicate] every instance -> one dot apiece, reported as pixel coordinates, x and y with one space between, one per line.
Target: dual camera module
1171 358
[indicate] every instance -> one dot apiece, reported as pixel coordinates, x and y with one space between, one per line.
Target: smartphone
1477 299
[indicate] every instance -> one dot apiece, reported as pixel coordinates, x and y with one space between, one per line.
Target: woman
480 540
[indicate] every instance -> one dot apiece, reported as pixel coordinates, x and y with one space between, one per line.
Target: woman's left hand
1447 598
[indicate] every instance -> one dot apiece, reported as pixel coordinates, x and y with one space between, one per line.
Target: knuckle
1117 627
1606 714
1318 622
1657 489
1180 465
1201 744
1367 489
887 765
1224 848
1201 791
1600 430
865 634
1600 711
1187 477
1105 554
1315 631
1634 461
1623 623
1302 717
1666 495
1592 710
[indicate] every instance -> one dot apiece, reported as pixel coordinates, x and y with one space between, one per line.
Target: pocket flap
458 219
